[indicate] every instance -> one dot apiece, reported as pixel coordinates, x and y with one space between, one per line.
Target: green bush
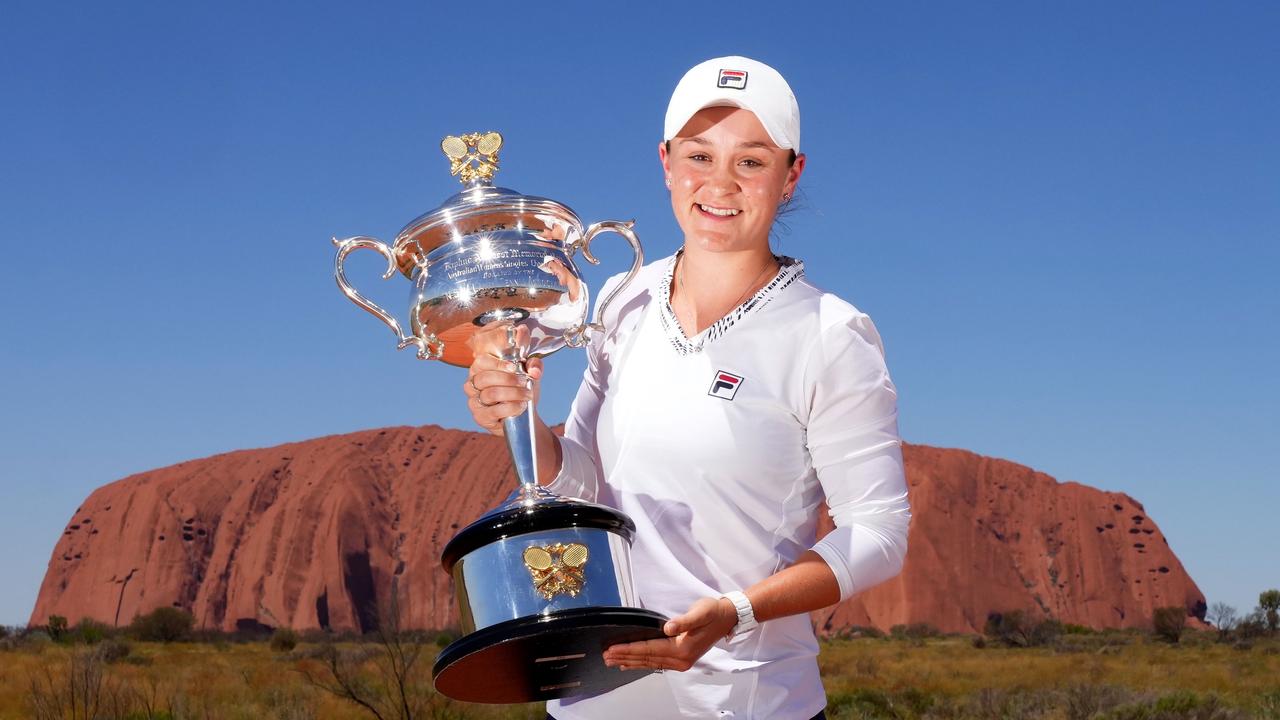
860 631
1169 622
90 631
57 628
914 631
1269 603
1018 628
445 637
165 624
284 640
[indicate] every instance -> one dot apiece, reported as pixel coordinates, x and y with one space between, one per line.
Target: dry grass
952 666
865 678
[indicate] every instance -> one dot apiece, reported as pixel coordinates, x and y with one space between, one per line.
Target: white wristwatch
746 616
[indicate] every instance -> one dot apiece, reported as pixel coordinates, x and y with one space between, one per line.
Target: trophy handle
426 350
578 336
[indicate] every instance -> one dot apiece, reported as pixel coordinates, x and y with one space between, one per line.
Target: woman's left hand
689 636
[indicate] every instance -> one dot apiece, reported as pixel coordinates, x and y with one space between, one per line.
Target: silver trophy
543 582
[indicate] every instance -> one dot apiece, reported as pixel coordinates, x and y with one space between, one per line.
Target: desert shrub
1193 638
1223 617
1083 702
1073 629
89 631
444 637
1269 604
1169 622
859 631
1014 704
1251 626
1046 632
979 641
1019 628
79 688
164 624
914 631
56 627
34 640
1183 705
1268 705
916 702
284 640
114 650
389 675
291 703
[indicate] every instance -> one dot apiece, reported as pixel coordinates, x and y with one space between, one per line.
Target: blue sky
1063 219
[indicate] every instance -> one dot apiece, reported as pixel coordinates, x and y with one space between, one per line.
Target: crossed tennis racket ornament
556 568
492 271
473 156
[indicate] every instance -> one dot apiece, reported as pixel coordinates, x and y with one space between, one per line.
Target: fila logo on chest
725 385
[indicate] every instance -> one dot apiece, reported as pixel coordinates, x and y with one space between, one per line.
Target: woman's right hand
496 390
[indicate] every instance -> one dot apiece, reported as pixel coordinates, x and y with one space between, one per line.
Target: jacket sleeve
580 472
852 435
579 468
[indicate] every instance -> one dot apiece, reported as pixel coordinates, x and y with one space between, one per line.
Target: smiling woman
727 177
728 398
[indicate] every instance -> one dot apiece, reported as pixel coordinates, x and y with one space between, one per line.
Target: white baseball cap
741 82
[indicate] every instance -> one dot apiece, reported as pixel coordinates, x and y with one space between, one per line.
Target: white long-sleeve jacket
721 448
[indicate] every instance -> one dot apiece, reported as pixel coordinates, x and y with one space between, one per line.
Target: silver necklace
743 296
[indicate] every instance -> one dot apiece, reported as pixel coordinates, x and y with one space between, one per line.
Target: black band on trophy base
543 657
521 519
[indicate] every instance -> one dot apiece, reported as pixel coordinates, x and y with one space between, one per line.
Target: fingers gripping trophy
543 582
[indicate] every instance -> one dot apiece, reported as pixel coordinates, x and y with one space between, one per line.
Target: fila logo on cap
725 385
736 79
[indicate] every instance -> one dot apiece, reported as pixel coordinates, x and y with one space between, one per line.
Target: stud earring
786 197
668 182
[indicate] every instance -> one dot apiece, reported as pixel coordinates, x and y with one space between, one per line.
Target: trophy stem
524 450
519 430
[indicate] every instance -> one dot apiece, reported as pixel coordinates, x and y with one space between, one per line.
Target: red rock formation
314 534
989 535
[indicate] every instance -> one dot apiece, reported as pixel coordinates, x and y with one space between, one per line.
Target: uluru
315 534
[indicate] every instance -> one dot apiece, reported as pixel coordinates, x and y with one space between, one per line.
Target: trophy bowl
543 582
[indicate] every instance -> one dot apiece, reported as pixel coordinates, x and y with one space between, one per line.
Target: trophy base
543 657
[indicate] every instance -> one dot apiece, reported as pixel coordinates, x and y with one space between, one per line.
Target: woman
726 400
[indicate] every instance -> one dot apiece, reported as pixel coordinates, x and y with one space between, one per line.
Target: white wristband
746 615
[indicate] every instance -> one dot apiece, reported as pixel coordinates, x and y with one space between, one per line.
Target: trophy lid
480 206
